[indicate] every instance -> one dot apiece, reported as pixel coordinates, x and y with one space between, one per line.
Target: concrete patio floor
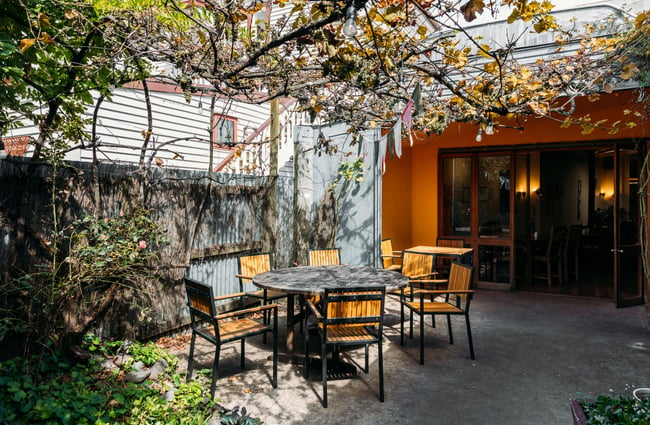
534 353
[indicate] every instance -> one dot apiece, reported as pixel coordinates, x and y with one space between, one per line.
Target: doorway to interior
558 220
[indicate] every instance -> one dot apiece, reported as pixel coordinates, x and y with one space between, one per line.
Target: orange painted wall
410 184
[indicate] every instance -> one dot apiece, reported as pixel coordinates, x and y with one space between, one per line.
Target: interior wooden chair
571 252
250 265
455 301
324 257
390 259
232 325
349 317
550 258
443 263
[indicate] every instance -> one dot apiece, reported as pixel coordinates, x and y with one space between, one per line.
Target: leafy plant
234 417
615 409
64 393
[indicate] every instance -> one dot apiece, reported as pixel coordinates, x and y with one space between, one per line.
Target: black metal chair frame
205 322
456 302
348 329
265 296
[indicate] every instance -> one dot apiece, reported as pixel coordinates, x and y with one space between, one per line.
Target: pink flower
142 244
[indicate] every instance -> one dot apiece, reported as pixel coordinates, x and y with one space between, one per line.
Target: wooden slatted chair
456 301
324 257
389 257
232 325
349 317
551 257
571 252
419 267
250 265
444 263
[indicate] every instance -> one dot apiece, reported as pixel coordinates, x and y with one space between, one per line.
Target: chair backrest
555 241
354 306
387 252
450 243
417 263
200 300
250 265
324 257
572 240
460 277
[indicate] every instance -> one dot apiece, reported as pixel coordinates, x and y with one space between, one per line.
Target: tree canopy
357 61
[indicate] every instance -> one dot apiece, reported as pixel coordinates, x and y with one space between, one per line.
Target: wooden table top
441 250
312 280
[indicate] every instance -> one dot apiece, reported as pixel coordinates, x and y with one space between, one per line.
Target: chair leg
380 358
421 338
306 371
243 353
367 359
190 361
451 335
215 368
548 273
401 324
324 372
275 348
469 337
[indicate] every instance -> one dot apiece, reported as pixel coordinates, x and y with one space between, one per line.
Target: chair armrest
243 277
444 291
423 276
245 311
226 297
390 256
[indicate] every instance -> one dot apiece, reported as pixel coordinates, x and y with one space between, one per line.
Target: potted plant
613 409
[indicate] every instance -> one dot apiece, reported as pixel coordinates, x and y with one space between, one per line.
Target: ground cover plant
618 409
53 389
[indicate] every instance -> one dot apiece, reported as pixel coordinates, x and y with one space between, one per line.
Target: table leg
290 322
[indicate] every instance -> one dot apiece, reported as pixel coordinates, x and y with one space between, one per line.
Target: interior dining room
576 221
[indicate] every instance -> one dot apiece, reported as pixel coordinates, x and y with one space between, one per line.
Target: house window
225 131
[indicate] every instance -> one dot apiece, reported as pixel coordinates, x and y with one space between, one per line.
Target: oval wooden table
312 280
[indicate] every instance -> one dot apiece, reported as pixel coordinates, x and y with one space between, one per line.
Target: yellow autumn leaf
525 73
594 97
26 43
566 123
484 51
629 71
46 38
630 124
43 20
71 14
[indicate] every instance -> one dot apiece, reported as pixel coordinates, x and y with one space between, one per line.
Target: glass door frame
475 240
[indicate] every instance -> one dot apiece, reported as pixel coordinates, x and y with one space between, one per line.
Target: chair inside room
324 256
390 258
443 263
236 323
548 263
250 265
454 300
571 253
349 317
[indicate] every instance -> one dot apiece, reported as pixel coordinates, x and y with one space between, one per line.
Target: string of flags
391 142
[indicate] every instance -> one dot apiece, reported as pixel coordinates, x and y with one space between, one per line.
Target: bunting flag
383 144
397 138
391 142
408 122
416 97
